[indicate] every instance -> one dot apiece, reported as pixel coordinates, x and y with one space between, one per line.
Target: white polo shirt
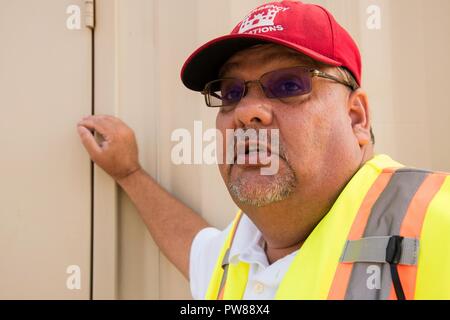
263 280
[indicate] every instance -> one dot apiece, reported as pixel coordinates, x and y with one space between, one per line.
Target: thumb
89 142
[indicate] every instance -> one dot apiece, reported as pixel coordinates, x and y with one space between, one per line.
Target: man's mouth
253 153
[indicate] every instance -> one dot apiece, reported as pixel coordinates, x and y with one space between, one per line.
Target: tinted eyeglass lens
287 83
225 92
283 83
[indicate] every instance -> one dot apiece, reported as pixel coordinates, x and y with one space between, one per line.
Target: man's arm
172 224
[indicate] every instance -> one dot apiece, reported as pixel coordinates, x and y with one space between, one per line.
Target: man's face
315 132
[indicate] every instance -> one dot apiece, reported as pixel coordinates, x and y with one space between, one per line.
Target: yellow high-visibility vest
388 229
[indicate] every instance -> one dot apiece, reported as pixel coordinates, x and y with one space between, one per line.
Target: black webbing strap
393 255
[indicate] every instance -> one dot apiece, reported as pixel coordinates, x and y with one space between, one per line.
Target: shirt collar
248 244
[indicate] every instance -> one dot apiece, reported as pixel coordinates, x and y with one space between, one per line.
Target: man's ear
359 113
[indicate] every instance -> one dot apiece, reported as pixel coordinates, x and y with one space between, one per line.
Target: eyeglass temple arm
321 74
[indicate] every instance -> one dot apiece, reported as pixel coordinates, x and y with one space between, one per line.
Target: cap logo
262 20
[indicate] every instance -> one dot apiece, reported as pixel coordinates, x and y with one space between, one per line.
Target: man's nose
254 108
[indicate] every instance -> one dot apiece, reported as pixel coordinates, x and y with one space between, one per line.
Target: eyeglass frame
313 73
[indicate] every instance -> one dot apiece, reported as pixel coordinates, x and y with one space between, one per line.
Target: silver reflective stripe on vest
373 249
372 281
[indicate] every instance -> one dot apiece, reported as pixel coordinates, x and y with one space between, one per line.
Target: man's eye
232 95
289 87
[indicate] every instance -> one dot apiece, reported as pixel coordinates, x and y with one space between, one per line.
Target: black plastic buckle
394 250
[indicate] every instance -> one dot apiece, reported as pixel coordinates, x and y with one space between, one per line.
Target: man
334 221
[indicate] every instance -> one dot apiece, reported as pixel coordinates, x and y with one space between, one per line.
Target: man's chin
249 187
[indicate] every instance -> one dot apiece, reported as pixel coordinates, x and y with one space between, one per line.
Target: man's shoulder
413 193
431 193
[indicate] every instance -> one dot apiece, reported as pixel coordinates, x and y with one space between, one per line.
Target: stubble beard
279 187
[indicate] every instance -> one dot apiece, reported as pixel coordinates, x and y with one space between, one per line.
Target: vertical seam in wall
116 60
157 115
91 293
116 108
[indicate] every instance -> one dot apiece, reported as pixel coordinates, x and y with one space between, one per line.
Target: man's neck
286 225
274 254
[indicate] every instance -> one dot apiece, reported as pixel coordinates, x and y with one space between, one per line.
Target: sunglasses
278 84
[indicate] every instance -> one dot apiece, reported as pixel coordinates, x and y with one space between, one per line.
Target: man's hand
171 223
118 153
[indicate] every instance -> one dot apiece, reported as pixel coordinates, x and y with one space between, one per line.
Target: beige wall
140 46
45 178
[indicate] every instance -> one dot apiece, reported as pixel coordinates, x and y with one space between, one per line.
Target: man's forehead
263 54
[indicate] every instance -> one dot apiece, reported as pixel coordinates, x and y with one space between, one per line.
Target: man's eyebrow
229 67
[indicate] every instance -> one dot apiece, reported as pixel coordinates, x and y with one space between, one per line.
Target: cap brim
204 64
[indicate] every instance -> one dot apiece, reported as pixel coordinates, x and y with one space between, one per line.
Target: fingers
88 141
101 124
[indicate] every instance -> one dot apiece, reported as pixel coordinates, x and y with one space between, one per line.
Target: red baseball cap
306 28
